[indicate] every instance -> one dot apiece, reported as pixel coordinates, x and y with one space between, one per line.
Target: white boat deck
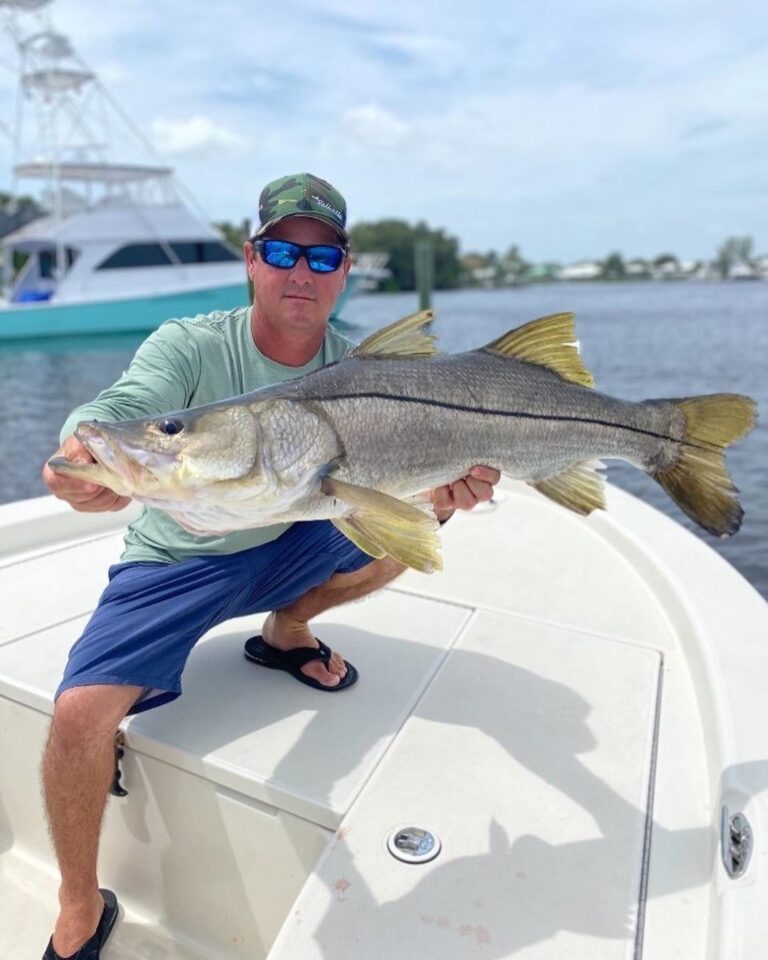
561 685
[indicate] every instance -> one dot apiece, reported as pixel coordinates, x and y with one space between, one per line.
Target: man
171 586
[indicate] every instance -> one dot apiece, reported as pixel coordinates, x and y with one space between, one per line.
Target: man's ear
249 255
346 268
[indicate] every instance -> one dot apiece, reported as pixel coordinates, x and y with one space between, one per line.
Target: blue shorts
152 614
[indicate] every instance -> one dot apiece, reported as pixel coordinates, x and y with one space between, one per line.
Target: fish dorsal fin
404 338
580 487
549 342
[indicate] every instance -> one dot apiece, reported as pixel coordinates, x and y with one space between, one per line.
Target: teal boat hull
137 315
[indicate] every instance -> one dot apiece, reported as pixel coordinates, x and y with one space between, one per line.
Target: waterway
639 339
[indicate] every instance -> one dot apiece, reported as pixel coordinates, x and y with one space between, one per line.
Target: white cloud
614 119
112 73
194 136
373 128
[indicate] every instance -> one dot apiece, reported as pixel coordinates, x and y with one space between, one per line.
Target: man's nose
301 271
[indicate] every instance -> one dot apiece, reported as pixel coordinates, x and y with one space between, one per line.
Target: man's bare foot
76 924
285 633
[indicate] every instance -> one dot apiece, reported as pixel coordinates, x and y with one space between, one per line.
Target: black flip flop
257 650
91 949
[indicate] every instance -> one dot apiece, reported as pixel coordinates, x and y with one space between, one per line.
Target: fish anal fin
549 342
383 525
580 488
404 338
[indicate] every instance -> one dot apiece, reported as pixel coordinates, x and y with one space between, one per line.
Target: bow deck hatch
539 790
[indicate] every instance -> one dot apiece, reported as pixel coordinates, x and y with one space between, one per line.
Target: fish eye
170 427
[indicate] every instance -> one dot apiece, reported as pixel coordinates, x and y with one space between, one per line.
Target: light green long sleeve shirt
186 363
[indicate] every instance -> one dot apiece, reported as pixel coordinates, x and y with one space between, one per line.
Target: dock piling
424 263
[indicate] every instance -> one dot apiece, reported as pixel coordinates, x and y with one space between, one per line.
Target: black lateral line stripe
518 414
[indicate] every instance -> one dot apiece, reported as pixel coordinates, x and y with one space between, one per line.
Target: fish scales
443 415
349 441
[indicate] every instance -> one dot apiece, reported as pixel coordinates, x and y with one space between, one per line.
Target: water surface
640 340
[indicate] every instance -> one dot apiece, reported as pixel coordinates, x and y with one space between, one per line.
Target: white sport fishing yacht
121 248
124 246
556 749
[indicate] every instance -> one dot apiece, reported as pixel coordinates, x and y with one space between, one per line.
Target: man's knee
373 574
86 714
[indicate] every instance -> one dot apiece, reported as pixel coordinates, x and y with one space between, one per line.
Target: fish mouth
117 454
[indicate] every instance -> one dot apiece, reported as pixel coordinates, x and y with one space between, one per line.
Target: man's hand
79 494
466 493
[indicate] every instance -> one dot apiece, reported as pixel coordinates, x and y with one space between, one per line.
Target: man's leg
78 766
288 627
140 635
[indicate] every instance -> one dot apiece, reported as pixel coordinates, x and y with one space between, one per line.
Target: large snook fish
353 440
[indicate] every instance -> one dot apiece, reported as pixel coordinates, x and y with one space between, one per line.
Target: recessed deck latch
413 845
736 842
117 789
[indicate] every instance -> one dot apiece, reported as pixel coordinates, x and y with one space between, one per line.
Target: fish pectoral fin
382 525
379 535
580 488
404 338
349 527
549 342
89 472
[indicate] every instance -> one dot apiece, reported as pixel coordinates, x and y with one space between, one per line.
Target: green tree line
397 238
511 268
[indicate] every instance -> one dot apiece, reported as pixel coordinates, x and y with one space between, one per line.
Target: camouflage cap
301 195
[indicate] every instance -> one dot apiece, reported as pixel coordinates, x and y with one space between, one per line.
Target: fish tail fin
699 481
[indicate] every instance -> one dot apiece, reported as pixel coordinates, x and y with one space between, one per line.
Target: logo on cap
301 194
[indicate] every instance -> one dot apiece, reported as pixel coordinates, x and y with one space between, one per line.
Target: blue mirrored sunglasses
322 258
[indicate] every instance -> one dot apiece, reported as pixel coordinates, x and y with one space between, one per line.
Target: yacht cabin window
154 255
47 261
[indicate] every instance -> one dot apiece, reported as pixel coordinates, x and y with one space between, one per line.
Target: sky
570 129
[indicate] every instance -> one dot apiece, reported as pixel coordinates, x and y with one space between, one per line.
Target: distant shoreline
551 284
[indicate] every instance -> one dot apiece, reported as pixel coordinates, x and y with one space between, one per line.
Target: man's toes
318 671
337 665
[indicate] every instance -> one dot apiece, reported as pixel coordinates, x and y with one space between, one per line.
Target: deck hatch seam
586 631
412 706
646 859
46 626
39 552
